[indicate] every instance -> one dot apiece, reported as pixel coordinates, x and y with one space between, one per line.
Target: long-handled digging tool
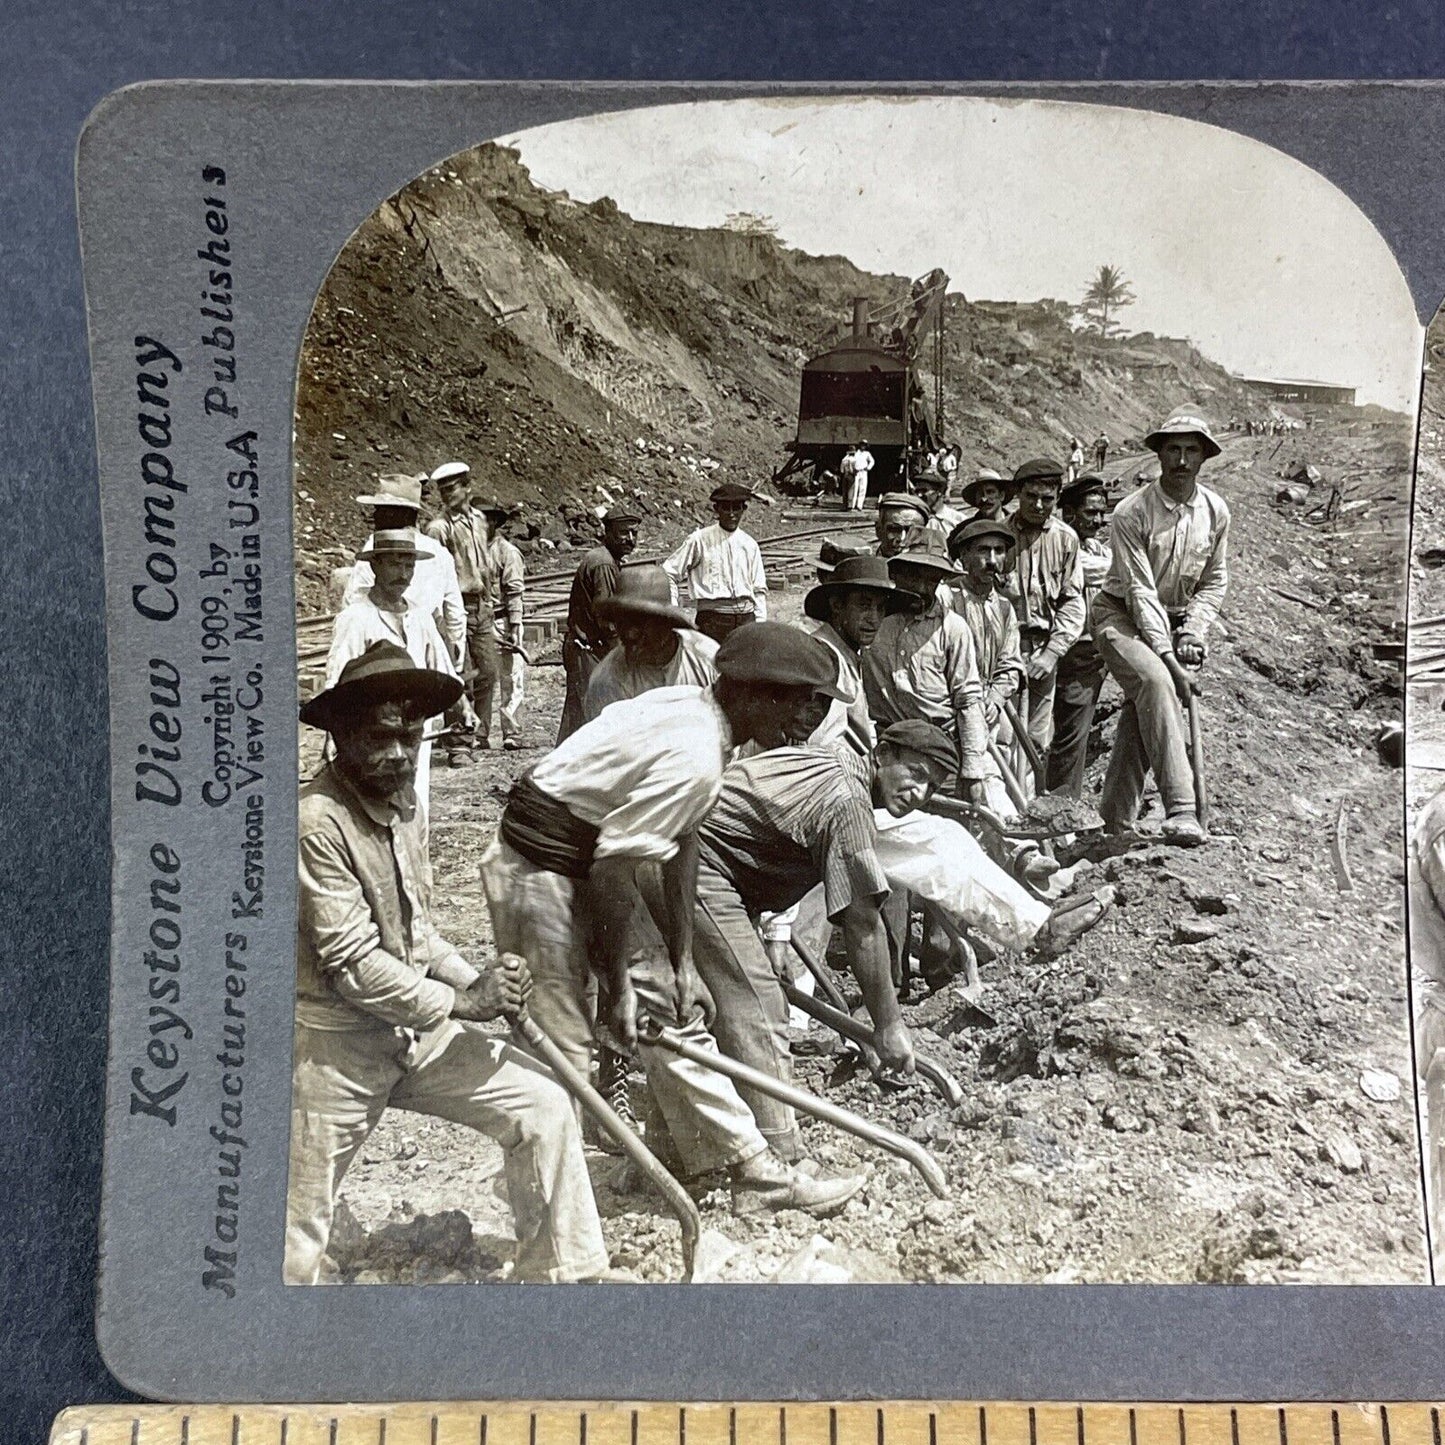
1030 747
528 1032
1196 762
1010 779
845 1025
926 1165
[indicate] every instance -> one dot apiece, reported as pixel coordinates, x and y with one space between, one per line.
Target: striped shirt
1170 558
789 819
721 566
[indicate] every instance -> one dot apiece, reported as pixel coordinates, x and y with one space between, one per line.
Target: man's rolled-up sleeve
334 913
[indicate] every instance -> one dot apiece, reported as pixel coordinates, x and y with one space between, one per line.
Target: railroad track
548 592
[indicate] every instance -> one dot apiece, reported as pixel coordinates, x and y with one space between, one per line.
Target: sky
1266 266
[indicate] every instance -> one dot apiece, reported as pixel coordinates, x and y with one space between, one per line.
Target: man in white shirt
1166 583
383 615
723 567
855 479
396 504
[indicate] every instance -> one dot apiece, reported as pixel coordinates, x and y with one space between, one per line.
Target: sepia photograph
852 663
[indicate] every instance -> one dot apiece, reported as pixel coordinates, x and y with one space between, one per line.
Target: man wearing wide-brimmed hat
850 604
986 494
1045 583
922 663
383 1000
395 504
1151 620
382 615
657 645
463 530
723 567
1085 507
588 639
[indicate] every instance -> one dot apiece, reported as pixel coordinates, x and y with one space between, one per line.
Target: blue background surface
55 63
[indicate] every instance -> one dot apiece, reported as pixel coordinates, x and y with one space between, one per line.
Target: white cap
448 471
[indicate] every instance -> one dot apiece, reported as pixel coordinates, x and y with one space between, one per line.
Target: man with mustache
1151 619
383 1000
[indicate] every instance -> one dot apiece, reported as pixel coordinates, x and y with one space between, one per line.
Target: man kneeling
382 998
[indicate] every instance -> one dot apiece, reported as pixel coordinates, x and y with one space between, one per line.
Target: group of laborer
724 784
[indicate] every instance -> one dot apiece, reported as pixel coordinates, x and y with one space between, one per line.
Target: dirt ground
1181 1098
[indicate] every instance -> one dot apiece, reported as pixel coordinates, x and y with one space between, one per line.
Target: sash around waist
545 832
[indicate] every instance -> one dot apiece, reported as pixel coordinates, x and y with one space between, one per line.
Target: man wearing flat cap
786 821
395 506
588 638
1151 621
723 567
899 513
1045 583
1085 507
611 815
463 529
382 615
657 645
932 489
383 1001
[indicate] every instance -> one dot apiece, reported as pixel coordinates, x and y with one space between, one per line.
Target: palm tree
1108 293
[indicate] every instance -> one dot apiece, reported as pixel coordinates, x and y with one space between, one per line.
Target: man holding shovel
1166 583
382 1000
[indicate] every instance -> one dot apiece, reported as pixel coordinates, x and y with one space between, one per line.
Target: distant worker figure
986 494
509 572
1165 586
1076 458
657 645
1101 451
948 464
1085 505
723 566
854 469
589 638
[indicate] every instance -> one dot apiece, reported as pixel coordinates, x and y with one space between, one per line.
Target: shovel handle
527 1031
1196 763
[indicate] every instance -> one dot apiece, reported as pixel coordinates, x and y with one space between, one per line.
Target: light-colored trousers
536 914
344 1079
1150 733
857 491
511 688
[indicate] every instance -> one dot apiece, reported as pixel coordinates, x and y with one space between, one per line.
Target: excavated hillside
561 348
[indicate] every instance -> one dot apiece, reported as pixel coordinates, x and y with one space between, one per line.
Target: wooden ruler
953 1422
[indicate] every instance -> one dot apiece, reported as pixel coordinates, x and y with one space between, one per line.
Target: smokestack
860 317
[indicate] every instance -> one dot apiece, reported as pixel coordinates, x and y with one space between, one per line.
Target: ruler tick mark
1182 1440
1384 1424
1033 1427
1133 1429
1434 1424
880 1427
1335 1426
235 1430
982 1425
581 1430
932 1427
733 1426
832 1425
1079 1425
1234 1427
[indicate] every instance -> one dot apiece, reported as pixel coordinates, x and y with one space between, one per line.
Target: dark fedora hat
986 477
865 571
973 529
642 591
383 673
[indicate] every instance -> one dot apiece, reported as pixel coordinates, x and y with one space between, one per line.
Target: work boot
459 758
612 1083
1183 830
1070 920
765 1184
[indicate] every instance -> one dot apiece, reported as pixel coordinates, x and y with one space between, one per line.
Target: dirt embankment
1214 1087
572 354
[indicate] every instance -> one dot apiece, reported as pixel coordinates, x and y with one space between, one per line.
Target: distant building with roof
1283 388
